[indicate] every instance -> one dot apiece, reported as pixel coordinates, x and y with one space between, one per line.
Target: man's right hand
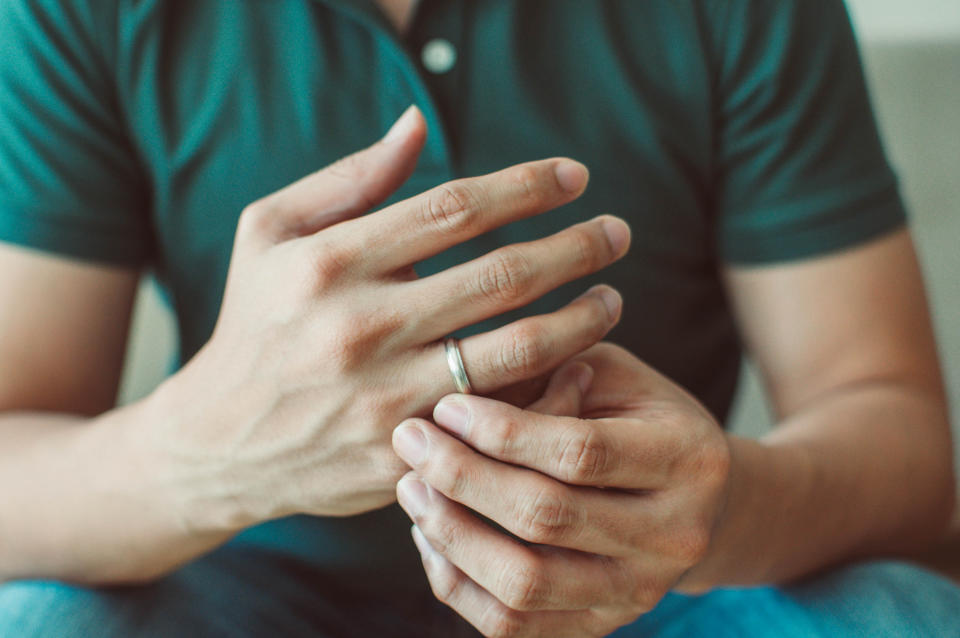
327 339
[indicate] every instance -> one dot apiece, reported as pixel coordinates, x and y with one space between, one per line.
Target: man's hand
614 506
327 338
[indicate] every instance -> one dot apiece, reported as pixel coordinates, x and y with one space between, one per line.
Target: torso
287 88
286 92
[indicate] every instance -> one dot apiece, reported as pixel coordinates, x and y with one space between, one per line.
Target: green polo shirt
133 132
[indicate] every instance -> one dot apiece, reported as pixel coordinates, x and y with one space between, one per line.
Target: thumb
347 188
565 392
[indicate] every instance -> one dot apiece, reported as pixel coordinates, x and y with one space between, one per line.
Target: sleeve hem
106 246
763 247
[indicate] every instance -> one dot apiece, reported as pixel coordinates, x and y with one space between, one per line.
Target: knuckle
546 518
444 587
522 587
360 335
587 250
388 467
329 260
330 266
645 597
623 579
443 581
256 218
690 545
441 531
584 457
500 623
453 476
523 352
704 456
350 167
505 276
352 170
528 182
599 321
451 208
715 462
500 434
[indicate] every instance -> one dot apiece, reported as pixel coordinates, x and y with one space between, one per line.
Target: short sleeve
70 182
801 169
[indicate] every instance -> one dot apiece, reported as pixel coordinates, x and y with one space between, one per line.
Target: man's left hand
608 509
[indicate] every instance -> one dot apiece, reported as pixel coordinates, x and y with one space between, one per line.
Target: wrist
176 445
127 497
740 552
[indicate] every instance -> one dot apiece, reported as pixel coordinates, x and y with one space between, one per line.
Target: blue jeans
244 592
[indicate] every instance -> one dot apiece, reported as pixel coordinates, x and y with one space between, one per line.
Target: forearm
83 500
864 471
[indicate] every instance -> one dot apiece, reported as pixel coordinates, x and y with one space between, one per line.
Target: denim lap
241 595
878 599
231 593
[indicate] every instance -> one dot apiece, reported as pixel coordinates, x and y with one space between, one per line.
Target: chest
286 88
272 91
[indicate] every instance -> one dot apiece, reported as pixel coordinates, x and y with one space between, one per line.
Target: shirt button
438 56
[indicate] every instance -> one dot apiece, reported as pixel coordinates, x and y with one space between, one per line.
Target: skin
398 12
630 489
844 343
641 492
325 340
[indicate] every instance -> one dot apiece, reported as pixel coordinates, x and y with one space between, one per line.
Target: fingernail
401 128
611 300
618 234
572 176
584 378
410 444
453 415
412 494
421 541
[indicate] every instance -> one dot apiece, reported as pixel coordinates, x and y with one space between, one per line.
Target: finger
487 614
565 392
524 578
515 275
523 393
621 453
529 347
345 189
530 505
447 215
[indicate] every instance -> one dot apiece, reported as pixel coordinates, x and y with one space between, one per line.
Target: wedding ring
455 363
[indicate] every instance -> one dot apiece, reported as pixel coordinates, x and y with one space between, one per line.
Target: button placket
437 38
438 55
437 157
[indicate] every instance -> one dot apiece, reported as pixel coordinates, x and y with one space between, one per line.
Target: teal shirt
133 132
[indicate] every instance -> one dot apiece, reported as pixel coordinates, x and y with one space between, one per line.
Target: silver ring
455 363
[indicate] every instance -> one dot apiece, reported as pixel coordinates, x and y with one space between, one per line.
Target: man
248 494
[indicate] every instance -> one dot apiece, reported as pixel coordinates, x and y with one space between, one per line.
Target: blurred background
911 54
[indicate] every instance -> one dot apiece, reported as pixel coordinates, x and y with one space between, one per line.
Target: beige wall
916 90
899 21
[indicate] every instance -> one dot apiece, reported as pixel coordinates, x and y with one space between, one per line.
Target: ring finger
528 347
